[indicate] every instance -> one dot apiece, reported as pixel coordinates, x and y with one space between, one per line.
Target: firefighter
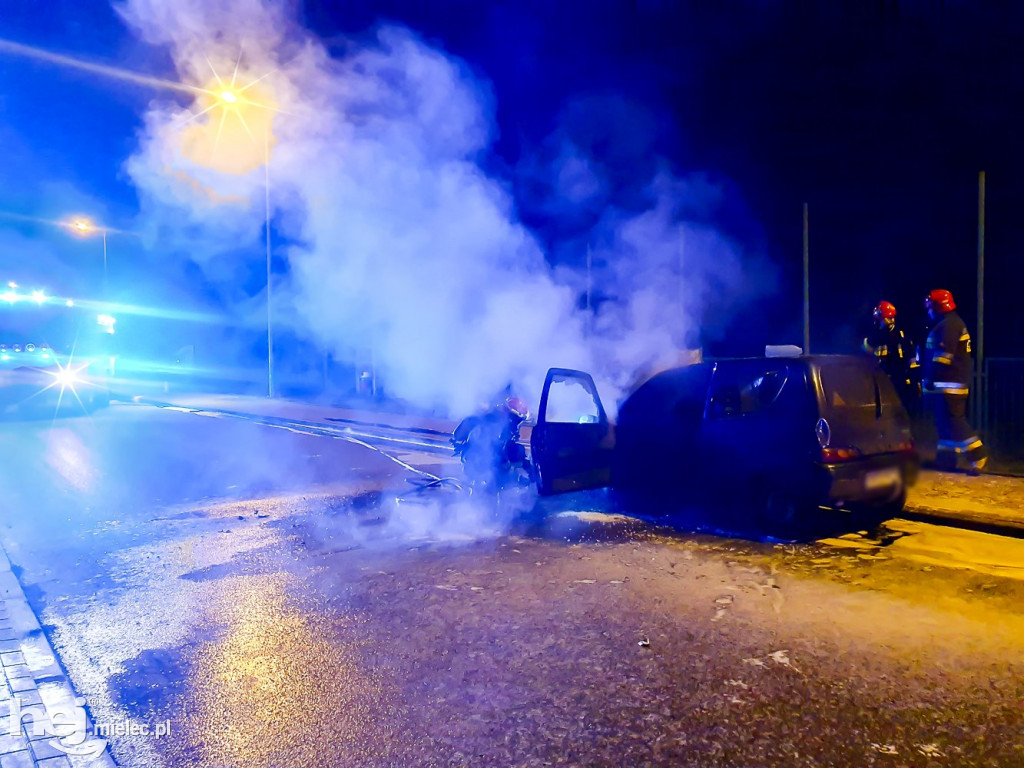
946 365
488 443
895 352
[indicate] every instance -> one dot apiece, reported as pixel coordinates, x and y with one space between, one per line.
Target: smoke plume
395 241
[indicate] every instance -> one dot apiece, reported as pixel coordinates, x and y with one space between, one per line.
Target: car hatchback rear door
864 412
573 441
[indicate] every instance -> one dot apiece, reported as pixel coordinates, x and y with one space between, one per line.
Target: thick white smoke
397 240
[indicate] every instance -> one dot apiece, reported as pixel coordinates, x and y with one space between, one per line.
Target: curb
32 679
971 521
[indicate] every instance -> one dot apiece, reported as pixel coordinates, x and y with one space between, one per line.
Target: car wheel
778 509
781 507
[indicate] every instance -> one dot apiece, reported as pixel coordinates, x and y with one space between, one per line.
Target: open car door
573 441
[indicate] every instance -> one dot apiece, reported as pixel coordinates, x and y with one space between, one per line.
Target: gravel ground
631 648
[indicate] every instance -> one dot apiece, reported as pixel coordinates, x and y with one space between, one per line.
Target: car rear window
848 386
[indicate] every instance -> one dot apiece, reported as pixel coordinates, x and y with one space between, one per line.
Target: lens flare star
233 109
243 109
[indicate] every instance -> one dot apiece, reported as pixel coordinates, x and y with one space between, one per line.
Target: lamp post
86 227
227 98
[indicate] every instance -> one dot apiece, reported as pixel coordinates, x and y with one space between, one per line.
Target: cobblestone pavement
36 696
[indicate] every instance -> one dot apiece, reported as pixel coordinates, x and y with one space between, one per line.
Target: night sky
878 115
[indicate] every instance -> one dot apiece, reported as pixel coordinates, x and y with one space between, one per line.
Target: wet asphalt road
290 600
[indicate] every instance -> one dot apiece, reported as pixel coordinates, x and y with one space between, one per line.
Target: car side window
569 402
740 393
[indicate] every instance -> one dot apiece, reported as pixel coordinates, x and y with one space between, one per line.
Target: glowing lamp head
82 225
228 97
38 297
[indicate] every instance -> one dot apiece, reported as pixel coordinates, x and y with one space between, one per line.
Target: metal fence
999 410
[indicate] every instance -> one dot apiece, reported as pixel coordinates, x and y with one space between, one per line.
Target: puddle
149 681
937 545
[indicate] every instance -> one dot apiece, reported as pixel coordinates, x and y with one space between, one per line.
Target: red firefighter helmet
940 300
886 310
517 407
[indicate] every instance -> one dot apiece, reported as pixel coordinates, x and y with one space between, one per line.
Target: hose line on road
318 431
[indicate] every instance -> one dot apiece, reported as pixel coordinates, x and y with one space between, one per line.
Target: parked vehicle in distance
56 355
787 433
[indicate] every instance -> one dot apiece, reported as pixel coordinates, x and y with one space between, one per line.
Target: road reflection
283 686
68 456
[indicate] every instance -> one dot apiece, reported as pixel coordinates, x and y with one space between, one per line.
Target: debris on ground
782 657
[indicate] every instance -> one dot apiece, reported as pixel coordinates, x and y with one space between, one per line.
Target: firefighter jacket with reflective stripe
895 352
946 357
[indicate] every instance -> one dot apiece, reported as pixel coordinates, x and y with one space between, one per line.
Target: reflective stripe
963 446
942 359
914 363
867 347
965 337
951 387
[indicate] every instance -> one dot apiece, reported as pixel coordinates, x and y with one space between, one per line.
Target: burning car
790 434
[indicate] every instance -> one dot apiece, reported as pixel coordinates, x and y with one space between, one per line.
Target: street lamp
231 100
85 227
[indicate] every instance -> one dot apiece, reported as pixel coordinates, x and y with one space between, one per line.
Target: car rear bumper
875 480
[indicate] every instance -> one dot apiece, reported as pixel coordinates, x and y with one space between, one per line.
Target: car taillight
830 455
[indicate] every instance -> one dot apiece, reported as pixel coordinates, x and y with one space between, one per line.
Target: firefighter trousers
956 436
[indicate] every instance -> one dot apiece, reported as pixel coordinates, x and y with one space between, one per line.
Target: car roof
673 377
811 361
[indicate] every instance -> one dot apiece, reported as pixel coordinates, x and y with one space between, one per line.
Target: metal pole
270 327
589 289
807 286
106 293
980 394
